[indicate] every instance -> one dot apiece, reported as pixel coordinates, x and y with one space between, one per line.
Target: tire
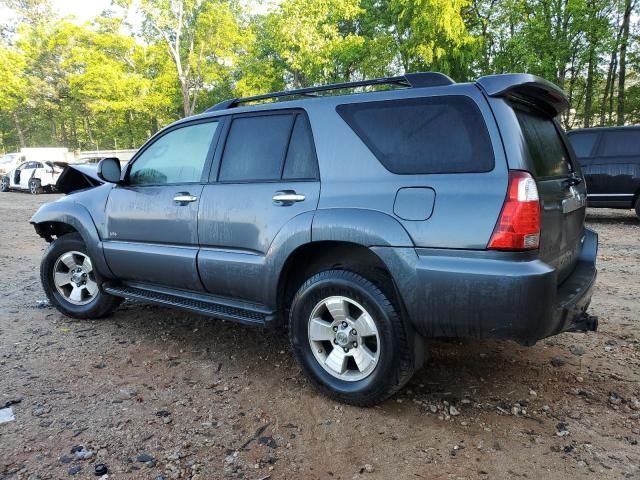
394 364
637 207
35 187
92 302
4 184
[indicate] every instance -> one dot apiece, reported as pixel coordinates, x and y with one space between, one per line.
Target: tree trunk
608 88
623 61
186 103
130 128
19 130
87 128
588 98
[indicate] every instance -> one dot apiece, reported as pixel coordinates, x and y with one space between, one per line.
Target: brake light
518 227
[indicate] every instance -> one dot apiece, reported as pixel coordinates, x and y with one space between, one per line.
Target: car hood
78 177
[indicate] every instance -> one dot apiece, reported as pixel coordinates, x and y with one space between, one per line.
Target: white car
33 176
9 162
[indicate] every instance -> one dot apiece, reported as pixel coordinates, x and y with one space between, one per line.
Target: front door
268 177
152 233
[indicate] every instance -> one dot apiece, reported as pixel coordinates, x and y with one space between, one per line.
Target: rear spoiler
526 88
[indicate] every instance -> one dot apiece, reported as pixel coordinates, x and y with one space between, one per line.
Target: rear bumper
487 295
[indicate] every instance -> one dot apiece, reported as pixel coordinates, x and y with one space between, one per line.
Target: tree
622 77
14 89
203 38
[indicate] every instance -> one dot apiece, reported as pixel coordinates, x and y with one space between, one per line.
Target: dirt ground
156 393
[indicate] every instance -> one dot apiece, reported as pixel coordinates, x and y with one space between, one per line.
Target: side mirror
109 170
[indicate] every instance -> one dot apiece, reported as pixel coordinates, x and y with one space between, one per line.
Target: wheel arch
337 233
314 257
59 218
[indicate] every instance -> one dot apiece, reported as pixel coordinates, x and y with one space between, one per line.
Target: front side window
177 157
410 136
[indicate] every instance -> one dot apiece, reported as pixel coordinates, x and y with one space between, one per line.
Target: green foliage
99 85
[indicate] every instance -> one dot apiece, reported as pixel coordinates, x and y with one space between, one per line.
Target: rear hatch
561 187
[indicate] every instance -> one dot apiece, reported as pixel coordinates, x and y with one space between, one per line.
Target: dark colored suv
361 224
610 161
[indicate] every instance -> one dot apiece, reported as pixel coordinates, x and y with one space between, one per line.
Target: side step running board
199 303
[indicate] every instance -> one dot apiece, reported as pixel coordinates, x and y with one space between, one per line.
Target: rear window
445 134
547 153
583 143
620 143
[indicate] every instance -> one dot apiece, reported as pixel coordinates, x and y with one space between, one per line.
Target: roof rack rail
410 80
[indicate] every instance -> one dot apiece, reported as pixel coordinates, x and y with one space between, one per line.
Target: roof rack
409 80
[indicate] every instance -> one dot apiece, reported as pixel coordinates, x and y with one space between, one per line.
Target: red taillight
519 225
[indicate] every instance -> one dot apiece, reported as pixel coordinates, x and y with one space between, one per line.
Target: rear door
26 174
268 176
561 188
616 167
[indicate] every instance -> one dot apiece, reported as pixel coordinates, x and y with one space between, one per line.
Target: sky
85 10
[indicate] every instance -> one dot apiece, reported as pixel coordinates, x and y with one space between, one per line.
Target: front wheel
71 282
637 207
349 338
4 184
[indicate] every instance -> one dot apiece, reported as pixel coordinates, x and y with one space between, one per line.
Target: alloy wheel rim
34 188
74 278
344 338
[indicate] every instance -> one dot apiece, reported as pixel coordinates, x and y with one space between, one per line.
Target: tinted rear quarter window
547 153
445 134
583 143
620 143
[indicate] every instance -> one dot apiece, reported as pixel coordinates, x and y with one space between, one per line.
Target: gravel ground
156 393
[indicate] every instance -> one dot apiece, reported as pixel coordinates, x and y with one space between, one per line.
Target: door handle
287 197
184 197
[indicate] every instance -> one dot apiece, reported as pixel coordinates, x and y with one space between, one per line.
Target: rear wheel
637 207
70 281
35 187
349 338
4 184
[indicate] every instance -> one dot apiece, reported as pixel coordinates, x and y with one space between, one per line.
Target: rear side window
255 148
621 143
445 134
547 153
268 148
583 143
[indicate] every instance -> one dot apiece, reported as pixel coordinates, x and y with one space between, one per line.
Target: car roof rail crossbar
410 80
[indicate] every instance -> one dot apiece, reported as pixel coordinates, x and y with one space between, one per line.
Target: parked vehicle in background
36 177
610 161
9 162
360 225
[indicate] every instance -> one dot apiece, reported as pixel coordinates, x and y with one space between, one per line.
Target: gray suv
362 224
